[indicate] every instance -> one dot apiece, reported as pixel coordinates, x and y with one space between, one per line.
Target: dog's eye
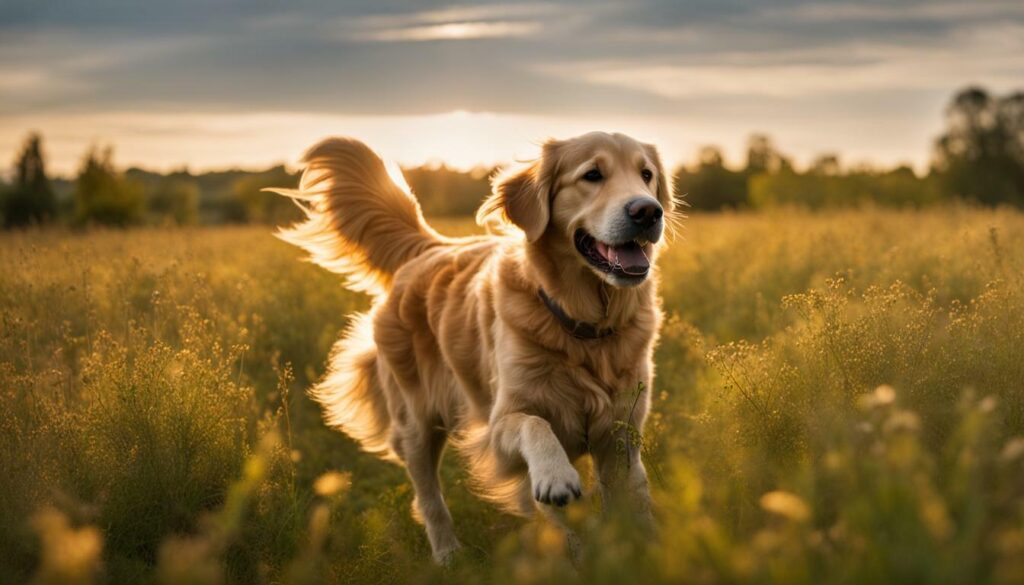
647 175
593 176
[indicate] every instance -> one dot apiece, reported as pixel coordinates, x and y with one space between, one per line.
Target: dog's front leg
553 479
623 480
621 474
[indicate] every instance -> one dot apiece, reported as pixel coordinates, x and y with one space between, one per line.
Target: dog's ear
523 195
664 191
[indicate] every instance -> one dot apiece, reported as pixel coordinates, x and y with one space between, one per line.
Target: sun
459 139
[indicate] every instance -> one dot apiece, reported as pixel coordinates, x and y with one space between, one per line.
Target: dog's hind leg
420 450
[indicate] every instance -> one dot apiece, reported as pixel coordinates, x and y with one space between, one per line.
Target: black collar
578 329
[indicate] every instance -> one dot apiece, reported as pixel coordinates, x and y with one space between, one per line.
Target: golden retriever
529 347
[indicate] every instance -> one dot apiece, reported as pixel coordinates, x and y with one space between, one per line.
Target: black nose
644 211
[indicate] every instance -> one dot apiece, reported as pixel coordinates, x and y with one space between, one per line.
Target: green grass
839 399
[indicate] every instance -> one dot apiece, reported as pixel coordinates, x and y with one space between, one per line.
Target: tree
763 157
105 197
30 199
981 154
826 164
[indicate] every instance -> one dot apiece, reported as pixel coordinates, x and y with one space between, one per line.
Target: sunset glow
459 139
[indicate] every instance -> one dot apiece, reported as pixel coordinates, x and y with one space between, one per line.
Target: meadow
839 398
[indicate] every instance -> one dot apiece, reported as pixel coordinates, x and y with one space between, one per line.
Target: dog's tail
360 222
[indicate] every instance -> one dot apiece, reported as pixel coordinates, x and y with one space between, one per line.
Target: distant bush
711 185
899 187
769 180
103 196
447 192
175 201
259 206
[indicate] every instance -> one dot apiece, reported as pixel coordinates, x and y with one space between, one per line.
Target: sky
222 83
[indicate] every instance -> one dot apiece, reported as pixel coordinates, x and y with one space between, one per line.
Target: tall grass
838 399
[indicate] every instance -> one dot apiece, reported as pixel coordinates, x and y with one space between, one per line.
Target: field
840 398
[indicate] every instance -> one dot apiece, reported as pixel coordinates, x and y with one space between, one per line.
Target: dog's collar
578 329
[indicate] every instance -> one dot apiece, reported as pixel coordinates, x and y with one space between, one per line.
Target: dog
526 348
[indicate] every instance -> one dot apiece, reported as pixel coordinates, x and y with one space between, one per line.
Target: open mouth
628 260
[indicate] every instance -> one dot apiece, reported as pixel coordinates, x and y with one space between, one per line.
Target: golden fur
458 345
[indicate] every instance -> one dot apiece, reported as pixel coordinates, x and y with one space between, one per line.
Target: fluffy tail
359 223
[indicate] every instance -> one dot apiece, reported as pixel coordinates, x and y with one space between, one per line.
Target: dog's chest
592 398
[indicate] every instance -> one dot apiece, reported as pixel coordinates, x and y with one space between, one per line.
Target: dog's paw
448 555
556 484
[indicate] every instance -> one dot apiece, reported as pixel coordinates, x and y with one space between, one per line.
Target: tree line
100 194
979 157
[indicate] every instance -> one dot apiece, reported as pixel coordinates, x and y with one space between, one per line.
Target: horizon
480 84
67 163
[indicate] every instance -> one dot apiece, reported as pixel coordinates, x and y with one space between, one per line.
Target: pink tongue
630 257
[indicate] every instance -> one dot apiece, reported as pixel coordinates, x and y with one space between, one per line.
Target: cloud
888 12
452 31
20 81
991 53
58 67
464 13
445 24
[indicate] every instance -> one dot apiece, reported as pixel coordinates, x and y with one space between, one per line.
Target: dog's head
603 198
